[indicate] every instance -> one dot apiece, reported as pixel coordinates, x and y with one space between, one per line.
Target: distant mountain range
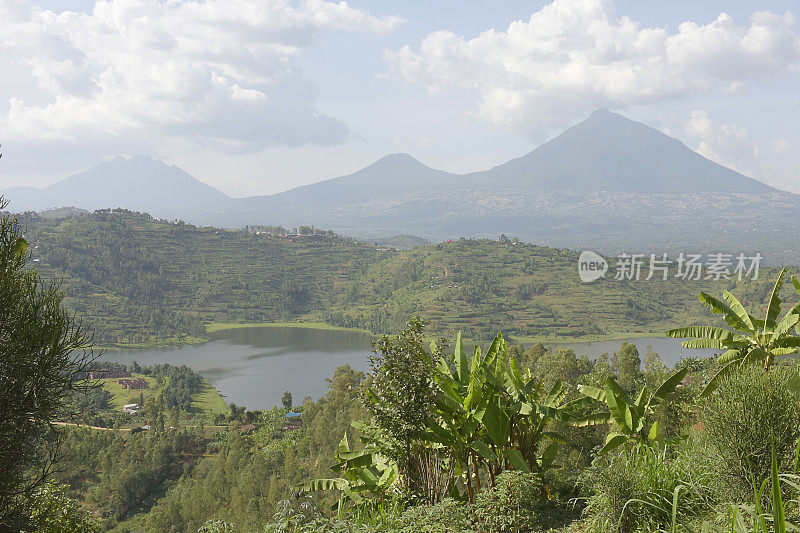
608 184
139 183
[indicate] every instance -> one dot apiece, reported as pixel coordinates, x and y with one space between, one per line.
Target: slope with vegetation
433 439
480 443
137 280
511 439
437 439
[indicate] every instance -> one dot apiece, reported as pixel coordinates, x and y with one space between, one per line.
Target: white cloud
144 72
726 144
779 146
572 56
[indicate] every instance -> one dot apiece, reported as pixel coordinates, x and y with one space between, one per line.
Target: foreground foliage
631 416
42 354
753 416
753 341
52 511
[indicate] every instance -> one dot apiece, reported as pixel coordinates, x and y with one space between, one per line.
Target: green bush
633 490
52 511
748 408
509 504
217 526
448 516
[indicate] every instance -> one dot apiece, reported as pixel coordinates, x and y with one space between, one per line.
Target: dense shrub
749 409
447 516
633 490
52 511
509 504
217 526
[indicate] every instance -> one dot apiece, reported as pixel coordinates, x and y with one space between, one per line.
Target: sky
259 96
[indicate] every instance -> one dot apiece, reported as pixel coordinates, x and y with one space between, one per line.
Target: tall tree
286 400
44 354
628 365
401 392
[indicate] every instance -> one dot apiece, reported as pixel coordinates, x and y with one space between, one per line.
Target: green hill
139 280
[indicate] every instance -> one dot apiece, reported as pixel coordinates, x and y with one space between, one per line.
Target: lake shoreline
254 366
216 327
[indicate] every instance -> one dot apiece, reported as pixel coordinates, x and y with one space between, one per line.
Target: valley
322 266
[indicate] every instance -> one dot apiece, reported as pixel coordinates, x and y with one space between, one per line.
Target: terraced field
139 281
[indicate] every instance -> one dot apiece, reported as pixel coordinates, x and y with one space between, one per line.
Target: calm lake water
254 366
669 350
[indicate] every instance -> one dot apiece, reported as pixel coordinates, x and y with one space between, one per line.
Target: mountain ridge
607 183
139 183
606 137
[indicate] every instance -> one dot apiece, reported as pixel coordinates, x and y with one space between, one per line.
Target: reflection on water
254 366
296 339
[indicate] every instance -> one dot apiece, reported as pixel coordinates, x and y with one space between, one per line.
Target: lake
254 366
669 350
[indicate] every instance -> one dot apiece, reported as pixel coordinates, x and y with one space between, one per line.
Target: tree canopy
43 353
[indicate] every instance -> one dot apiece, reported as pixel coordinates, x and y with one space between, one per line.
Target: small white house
131 408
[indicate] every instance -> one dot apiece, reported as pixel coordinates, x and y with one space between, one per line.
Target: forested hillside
136 279
180 472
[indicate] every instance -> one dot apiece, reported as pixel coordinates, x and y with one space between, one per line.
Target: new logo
591 266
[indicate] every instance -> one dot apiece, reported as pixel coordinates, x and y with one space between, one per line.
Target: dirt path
125 429
91 427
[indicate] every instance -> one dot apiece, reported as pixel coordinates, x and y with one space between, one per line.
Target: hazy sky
258 96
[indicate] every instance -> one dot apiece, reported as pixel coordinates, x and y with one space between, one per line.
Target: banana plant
534 410
488 414
459 408
363 472
502 415
752 340
629 415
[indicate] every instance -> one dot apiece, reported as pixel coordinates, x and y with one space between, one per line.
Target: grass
208 401
147 345
125 396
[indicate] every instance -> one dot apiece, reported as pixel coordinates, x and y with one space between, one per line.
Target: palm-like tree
490 416
632 417
363 472
752 341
